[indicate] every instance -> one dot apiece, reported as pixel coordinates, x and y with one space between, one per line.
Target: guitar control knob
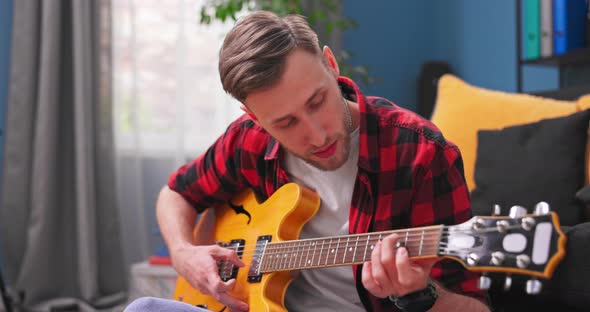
533 287
498 258
542 208
497 210
484 282
502 226
507 282
517 212
528 223
523 261
472 259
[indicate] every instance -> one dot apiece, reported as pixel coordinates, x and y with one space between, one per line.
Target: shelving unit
575 57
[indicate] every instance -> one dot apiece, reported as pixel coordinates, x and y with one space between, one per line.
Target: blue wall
476 37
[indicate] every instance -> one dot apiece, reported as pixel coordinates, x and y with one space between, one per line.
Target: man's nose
316 135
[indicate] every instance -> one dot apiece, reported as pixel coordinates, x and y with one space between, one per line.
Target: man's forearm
450 301
176 218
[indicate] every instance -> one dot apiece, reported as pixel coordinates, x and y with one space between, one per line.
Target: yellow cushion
461 110
584 102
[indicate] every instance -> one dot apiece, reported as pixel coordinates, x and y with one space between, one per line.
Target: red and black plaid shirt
408 176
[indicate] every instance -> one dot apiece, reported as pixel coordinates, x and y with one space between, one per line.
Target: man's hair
255 51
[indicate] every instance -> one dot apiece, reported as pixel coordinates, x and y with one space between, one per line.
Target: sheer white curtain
168 104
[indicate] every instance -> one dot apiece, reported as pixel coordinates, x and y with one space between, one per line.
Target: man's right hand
198 265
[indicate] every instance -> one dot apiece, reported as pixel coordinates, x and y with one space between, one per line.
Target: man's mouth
326 151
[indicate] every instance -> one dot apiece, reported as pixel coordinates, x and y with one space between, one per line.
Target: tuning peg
479 224
542 208
502 226
528 223
497 210
484 282
523 261
507 282
533 286
473 259
517 212
498 258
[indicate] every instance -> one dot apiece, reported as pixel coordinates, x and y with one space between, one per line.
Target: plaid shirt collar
368 143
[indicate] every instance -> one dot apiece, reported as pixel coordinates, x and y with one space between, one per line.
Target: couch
519 149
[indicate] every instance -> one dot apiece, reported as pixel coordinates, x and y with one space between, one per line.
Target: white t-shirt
326 289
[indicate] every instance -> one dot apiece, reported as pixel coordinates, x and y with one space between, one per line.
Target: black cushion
567 290
525 164
584 194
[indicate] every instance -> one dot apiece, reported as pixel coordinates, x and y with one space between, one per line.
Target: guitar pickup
227 270
254 275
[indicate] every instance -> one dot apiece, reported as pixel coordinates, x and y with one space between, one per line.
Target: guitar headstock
528 244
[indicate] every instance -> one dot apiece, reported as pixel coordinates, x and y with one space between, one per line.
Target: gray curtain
58 217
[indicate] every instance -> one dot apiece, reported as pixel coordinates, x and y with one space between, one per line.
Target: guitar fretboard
344 250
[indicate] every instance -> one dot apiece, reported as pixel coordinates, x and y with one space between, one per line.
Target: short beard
346 146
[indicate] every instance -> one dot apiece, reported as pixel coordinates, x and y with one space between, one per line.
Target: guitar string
270 266
343 256
341 249
332 259
445 231
266 267
335 238
334 244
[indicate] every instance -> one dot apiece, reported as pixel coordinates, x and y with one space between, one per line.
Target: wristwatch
417 301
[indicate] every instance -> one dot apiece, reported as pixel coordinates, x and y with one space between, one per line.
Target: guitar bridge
227 270
254 275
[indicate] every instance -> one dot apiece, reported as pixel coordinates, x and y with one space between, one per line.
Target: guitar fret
345 249
366 246
329 250
315 248
284 256
277 257
301 256
271 257
337 250
307 262
355 246
421 242
406 242
290 255
321 249
281 258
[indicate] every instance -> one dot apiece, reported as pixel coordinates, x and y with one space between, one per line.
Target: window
169 105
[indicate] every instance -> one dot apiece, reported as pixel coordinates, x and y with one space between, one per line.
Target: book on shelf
569 23
532 44
546 28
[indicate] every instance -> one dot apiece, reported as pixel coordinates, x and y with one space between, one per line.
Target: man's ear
331 61
250 113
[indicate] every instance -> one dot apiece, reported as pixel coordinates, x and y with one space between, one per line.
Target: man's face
305 112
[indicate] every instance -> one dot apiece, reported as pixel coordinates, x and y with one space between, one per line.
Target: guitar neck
345 250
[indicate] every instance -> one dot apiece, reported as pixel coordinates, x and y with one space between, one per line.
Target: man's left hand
391 272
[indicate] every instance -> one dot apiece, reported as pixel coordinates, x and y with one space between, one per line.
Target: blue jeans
151 304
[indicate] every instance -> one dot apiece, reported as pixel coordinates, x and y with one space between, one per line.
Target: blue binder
532 29
569 19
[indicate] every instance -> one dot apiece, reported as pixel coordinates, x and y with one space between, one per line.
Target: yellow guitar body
282 216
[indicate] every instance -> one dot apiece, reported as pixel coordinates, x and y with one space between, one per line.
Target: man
374 165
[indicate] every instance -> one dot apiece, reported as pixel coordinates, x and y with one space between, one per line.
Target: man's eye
287 123
316 105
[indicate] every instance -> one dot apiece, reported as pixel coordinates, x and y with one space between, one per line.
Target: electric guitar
264 235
